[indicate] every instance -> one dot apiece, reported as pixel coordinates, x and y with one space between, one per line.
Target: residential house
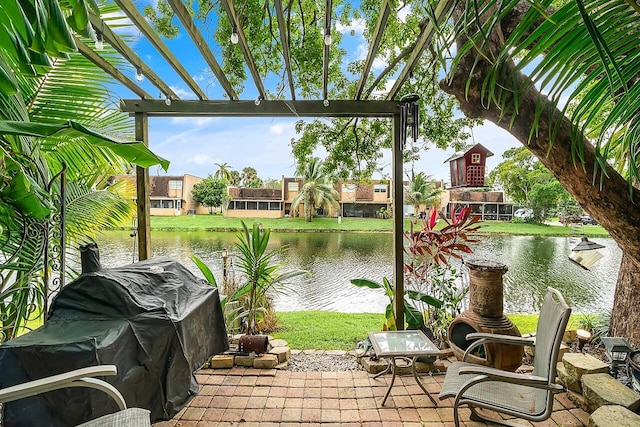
170 195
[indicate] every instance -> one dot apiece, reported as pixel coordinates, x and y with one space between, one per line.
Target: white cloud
356 26
281 128
202 159
194 121
183 93
403 13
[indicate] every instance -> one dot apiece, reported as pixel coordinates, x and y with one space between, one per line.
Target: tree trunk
609 201
625 321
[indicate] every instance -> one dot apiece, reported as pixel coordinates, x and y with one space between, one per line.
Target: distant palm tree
421 191
317 190
223 172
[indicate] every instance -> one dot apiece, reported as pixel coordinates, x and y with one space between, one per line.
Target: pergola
360 105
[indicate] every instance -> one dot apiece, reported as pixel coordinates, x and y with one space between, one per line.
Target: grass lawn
219 223
327 330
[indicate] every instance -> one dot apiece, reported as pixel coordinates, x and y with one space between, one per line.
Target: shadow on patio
252 397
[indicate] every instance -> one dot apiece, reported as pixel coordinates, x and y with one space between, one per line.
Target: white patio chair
528 396
84 377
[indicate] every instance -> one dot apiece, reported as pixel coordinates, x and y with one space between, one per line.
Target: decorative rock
336 352
374 366
578 364
245 360
602 389
440 366
235 338
445 353
266 361
278 343
309 351
282 353
569 335
567 380
296 351
221 361
282 366
578 399
613 415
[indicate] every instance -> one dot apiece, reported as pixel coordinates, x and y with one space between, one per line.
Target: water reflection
334 258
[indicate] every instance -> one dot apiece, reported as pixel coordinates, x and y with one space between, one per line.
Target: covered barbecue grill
154 320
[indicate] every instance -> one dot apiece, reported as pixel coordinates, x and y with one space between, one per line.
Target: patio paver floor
252 397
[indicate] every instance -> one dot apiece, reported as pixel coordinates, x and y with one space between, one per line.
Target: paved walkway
251 397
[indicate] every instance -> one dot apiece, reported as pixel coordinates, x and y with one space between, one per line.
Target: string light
412 78
99 41
139 75
234 35
257 101
325 102
167 100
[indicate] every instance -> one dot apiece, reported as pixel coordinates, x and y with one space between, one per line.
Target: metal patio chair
84 377
528 396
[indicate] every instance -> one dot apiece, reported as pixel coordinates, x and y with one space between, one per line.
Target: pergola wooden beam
244 45
385 10
98 60
440 13
327 47
191 28
269 108
284 39
130 10
123 49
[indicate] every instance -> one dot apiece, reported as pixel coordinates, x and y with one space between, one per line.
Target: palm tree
223 172
317 190
421 191
49 100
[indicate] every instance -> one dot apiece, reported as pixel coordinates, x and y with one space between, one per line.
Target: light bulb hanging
99 41
167 100
327 38
234 35
325 102
257 101
139 75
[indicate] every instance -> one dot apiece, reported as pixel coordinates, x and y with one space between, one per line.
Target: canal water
333 259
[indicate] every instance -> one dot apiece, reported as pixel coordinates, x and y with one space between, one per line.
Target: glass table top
402 343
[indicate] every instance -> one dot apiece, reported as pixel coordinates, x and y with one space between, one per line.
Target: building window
175 185
475 158
263 206
241 205
252 206
379 188
274 206
349 188
293 186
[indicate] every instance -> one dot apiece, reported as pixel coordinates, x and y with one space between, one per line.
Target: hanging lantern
585 254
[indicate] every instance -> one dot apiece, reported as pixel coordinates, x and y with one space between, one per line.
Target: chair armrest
504 339
493 374
483 337
82 377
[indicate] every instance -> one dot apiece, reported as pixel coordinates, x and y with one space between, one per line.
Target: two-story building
355 200
170 195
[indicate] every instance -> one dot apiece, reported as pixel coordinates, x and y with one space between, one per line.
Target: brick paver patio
251 397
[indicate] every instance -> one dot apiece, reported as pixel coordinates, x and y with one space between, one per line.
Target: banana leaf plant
413 316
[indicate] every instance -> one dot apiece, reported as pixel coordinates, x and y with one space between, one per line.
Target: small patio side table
408 345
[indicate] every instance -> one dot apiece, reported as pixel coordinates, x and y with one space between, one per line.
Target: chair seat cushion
495 394
132 417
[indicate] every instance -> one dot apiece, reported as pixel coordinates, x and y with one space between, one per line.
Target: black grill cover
154 320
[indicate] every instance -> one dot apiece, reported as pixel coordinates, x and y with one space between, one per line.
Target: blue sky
194 145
